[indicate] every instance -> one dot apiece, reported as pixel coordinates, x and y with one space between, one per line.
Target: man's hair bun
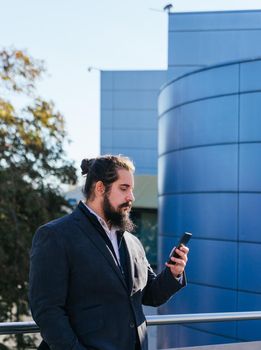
85 165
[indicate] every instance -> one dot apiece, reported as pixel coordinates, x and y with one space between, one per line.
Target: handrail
152 320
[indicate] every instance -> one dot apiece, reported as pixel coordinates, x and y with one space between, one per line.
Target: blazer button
132 325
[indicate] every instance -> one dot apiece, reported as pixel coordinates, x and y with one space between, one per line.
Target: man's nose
130 197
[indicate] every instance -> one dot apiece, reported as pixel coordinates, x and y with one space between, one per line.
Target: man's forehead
125 178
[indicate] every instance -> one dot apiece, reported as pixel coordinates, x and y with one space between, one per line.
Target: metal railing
152 320
207 317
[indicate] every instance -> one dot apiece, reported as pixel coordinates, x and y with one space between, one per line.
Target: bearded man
89 276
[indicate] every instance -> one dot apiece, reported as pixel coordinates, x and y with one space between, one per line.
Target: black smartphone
183 240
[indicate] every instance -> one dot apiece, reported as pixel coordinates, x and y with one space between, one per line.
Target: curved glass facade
210 185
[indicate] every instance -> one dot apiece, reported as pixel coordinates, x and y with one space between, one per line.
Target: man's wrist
178 277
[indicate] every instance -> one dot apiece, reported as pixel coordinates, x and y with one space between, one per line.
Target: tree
33 165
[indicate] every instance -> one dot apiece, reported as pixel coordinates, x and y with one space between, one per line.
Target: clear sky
71 35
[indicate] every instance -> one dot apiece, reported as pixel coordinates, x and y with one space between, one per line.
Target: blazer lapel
90 228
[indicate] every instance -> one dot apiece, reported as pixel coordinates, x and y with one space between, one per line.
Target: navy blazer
78 295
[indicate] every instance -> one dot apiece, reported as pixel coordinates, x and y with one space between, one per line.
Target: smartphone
183 240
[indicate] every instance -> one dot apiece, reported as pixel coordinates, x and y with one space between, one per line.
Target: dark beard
117 218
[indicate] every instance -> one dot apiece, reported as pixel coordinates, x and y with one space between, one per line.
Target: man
89 275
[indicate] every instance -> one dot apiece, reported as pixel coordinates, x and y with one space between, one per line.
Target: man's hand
180 263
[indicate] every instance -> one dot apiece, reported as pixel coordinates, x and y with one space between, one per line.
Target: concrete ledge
256 345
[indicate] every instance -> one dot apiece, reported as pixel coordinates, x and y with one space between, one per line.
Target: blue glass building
129 116
210 172
206 143
200 39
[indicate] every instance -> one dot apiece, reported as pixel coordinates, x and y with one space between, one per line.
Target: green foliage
33 164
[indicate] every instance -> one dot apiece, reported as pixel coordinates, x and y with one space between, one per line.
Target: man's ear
99 188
